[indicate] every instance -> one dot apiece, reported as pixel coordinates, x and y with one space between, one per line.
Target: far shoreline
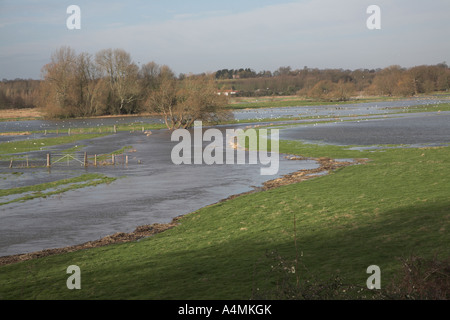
239 103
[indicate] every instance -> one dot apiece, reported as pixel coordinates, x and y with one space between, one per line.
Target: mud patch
326 166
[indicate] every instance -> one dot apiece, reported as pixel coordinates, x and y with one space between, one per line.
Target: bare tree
198 100
387 79
122 74
164 100
58 77
86 90
181 102
149 74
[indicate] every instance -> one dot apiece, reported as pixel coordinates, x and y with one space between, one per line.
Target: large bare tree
86 85
198 100
163 100
181 102
122 74
58 77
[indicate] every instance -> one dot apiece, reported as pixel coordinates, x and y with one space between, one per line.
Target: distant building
227 92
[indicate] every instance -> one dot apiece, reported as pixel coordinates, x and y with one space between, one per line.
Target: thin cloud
319 33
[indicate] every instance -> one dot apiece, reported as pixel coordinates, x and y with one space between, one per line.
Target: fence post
85 159
27 161
113 159
48 160
11 163
126 160
95 160
115 129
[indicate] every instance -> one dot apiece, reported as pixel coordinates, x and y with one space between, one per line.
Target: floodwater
384 107
414 129
151 189
341 110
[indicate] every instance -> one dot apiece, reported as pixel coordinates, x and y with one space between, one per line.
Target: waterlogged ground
341 110
413 129
151 189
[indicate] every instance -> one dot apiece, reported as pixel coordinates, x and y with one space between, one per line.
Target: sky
206 36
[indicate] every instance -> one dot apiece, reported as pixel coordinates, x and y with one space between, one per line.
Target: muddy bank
120 237
326 166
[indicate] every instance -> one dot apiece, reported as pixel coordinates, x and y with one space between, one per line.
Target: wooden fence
75 159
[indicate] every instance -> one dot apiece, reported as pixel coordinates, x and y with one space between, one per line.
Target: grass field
393 206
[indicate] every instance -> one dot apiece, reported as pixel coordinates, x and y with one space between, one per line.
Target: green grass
265 102
13 147
59 186
104 157
358 216
427 108
73 149
106 129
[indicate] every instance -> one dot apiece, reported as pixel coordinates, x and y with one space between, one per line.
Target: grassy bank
362 215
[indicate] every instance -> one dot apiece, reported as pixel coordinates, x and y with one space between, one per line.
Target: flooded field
151 189
341 110
426 129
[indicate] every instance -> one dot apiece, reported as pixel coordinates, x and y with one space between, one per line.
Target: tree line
18 93
110 82
339 84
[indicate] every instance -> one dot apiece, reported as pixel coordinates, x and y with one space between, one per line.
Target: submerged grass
440 107
394 205
106 129
15 147
120 151
279 102
55 187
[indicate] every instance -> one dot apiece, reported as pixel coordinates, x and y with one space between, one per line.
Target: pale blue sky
201 36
